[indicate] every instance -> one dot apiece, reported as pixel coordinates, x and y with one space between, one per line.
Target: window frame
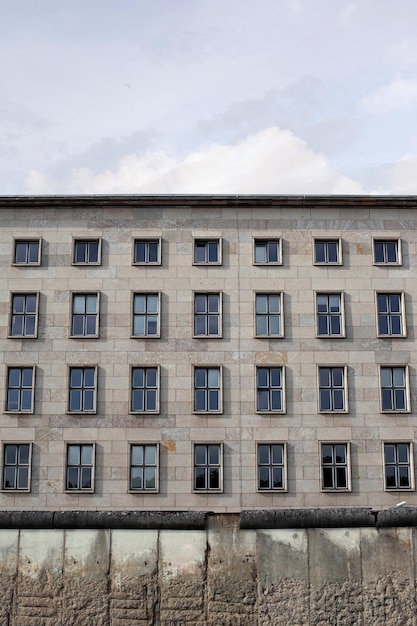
407 391
207 314
281 388
87 241
17 465
280 315
144 444
145 315
27 240
345 409
329 314
271 465
334 466
80 444
145 388
384 241
84 336
82 411
24 294
327 240
208 411
20 411
207 489
206 241
396 442
147 240
267 240
389 314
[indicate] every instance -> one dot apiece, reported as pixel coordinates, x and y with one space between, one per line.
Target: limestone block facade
207 353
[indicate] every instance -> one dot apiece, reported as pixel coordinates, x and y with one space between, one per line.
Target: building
207 353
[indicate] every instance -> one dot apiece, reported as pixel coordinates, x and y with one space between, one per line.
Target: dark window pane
264 478
214 478
263 454
9 478
140 252
200 478
72 478
200 453
33 252
88 400
332 251
153 251
136 478
341 477
319 248
328 478
277 478
379 251
22 478
390 477
80 252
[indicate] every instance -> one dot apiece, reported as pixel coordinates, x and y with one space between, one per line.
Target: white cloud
401 93
270 161
403 177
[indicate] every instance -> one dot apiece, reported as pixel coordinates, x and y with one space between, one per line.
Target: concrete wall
219 576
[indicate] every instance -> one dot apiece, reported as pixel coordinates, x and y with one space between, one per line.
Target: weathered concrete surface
223 576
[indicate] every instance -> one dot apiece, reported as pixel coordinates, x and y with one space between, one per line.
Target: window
387 251
270 390
145 390
85 308
82 393
267 252
327 252
398 463
24 315
332 390
208 467
87 252
20 385
147 252
16 466
27 252
271 467
146 315
391 319
80 467
394 388
143 467
335 474
329 310
268 311
207 315
207 391
207 252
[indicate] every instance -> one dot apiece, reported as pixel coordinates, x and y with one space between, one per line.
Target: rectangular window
27 252
207 315
332 389
387 251
270 390
144 467
80 467
271 467
85 307
146 315
147 252
208 467
87 252
16 466
327 252
207 390
207 252
82 392
335 464
267 252
145 386
24 315
20 386
268 311
398 465
329 315
394 389
391 318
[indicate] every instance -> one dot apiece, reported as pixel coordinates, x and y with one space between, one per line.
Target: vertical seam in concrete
308 575
108 575
361 570
206 569
157 604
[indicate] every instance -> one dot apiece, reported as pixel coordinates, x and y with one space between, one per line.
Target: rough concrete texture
223 576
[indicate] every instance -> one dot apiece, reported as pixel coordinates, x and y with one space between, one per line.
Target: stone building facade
204 353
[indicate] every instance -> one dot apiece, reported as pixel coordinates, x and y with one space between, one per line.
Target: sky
208 96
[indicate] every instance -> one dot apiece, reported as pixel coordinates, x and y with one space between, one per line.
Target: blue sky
208 96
